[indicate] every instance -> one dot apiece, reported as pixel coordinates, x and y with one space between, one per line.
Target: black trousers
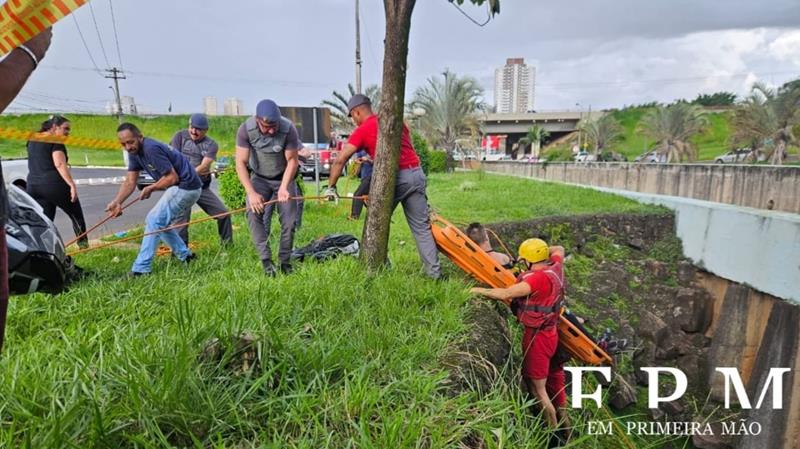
363 189
52 196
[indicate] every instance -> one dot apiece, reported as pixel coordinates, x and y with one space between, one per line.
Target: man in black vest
201 151
267 144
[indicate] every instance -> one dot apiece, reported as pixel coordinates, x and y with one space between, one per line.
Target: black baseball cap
356 101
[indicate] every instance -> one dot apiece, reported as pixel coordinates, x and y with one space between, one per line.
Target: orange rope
78 237
200 220
505 248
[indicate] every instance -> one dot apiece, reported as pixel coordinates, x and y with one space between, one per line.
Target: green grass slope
710 144
345 360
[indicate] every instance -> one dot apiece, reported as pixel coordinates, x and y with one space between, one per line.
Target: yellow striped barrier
82 142
20 20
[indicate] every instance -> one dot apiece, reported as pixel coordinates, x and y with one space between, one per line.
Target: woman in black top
49 180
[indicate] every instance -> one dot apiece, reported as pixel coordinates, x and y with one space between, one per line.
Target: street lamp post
580 119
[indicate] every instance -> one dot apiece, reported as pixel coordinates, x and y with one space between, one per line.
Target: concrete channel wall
757 186
754 332
754 247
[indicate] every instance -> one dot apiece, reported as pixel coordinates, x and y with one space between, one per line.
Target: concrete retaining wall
758 186
754 332
749 246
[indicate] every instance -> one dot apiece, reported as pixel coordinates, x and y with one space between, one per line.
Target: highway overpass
515 126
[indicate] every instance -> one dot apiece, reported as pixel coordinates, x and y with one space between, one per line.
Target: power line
102 47
116 37
371 53
88 52
47 97
488 14
308 84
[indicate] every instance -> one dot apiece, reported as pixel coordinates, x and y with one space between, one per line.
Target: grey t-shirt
195 151
292 140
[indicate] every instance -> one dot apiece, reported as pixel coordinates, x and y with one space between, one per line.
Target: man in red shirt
411 183
536 300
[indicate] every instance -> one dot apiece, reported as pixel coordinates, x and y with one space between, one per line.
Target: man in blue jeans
173 173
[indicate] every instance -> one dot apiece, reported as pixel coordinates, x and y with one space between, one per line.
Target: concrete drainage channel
628 273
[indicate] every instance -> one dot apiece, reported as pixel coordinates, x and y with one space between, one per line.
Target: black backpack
328 247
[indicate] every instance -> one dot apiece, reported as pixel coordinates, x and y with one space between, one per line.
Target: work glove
331 195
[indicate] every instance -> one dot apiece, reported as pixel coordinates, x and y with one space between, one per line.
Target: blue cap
269 111
198 121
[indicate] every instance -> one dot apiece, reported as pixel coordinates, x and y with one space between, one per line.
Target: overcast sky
603 53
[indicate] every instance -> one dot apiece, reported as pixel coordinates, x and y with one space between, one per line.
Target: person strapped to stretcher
536 300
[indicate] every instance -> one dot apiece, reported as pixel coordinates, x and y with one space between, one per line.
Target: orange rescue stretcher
481 266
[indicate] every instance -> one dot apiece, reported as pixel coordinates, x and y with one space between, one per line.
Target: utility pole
358 51
116 75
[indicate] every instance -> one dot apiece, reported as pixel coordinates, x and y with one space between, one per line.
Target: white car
15 171
651 157
585 156
739 155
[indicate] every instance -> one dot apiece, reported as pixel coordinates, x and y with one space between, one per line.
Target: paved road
94 199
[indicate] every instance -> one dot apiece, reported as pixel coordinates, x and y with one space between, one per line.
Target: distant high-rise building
128 106
210 106
514 87
233 106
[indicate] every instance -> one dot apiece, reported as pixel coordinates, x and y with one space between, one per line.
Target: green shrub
423 150
558 154
231 189
438 162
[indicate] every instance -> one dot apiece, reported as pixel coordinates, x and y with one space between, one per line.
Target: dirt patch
476 362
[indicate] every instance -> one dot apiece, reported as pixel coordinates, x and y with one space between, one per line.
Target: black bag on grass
328 247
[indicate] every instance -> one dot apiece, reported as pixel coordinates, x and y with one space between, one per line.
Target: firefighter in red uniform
536 300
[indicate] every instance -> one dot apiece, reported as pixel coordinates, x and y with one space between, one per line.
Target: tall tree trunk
381 192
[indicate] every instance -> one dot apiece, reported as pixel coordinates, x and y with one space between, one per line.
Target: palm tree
601 132
767 118
536 134
672 128
340 120
450 107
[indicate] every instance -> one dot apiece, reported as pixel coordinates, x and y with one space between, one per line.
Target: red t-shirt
366 137
541 284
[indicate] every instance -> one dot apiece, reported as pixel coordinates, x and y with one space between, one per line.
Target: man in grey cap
411 184
201 151
267 144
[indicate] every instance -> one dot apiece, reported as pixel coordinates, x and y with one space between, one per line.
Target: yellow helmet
534 250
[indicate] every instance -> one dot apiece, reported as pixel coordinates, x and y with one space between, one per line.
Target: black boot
269 268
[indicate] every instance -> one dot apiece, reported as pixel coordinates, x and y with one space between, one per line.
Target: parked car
496 157
307 169
222 164
651 157
739 155
530 159
585 156
144 180
15 171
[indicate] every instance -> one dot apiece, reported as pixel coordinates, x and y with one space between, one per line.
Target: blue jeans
167 211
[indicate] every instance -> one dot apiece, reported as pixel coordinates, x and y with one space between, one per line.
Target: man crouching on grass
172 173
536 300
